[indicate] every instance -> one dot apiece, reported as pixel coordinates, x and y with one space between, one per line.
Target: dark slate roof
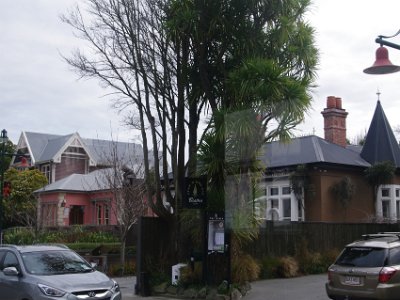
380 144
310 149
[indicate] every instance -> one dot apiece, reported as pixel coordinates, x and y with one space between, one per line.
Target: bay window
388 202
280 203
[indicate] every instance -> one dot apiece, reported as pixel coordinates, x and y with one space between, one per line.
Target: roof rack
381 235
36 244
8 245
54 244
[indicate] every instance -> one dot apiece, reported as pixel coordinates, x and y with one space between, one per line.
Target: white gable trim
74 140
22 143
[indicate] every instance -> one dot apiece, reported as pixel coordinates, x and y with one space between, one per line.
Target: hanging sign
195 192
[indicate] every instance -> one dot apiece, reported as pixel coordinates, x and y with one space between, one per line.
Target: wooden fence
275 238
281 238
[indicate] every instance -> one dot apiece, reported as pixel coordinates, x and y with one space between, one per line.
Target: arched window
273 215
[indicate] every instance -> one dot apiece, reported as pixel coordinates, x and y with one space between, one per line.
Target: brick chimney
335 121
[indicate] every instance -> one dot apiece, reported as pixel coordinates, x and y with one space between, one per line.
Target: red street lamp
5 188
382 64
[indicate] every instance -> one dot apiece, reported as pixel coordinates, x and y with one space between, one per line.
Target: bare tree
131 54
123 177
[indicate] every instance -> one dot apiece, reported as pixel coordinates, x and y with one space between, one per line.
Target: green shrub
118 270
130 250
288 267
269 268
191 277
158 272
100 237
72 234
329 257
19 236
158 277
313 264
51 237
109 247
77 234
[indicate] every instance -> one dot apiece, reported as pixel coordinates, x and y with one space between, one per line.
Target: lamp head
24 162
3 136
382 64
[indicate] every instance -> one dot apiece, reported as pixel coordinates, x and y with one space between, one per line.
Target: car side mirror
11 271
93 265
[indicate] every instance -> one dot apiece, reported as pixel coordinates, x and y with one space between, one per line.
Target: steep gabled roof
53 147
310 149
46 147
42 146
36 143
380 144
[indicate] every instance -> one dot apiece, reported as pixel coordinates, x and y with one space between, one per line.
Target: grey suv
367 269
45 272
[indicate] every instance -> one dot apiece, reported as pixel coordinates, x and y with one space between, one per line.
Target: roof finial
379 94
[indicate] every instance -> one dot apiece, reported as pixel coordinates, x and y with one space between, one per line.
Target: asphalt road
310 287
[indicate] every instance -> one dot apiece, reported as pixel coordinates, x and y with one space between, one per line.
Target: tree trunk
123 254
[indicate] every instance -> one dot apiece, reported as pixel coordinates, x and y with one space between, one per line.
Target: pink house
78 199
78 173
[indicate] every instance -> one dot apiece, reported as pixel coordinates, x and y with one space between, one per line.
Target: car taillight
385 274
330 274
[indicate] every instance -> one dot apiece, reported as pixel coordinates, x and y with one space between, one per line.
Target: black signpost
195 197
214 232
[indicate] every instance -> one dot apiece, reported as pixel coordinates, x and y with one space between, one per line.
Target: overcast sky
39 92
345 35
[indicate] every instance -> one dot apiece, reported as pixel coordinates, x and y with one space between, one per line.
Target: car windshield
366 257
54 262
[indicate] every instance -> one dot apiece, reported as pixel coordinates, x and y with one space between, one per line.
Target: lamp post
382 64
3 141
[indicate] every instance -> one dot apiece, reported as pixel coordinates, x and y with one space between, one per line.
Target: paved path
127 286
310 287
300 288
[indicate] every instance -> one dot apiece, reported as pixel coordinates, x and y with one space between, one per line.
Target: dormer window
75 150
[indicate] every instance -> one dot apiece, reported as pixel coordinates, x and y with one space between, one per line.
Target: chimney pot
339 103
331 102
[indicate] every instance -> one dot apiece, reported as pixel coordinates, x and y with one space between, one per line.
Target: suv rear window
366 257
394 256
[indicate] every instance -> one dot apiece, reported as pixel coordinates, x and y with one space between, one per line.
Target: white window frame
46 171
102 212
276 212
388 202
